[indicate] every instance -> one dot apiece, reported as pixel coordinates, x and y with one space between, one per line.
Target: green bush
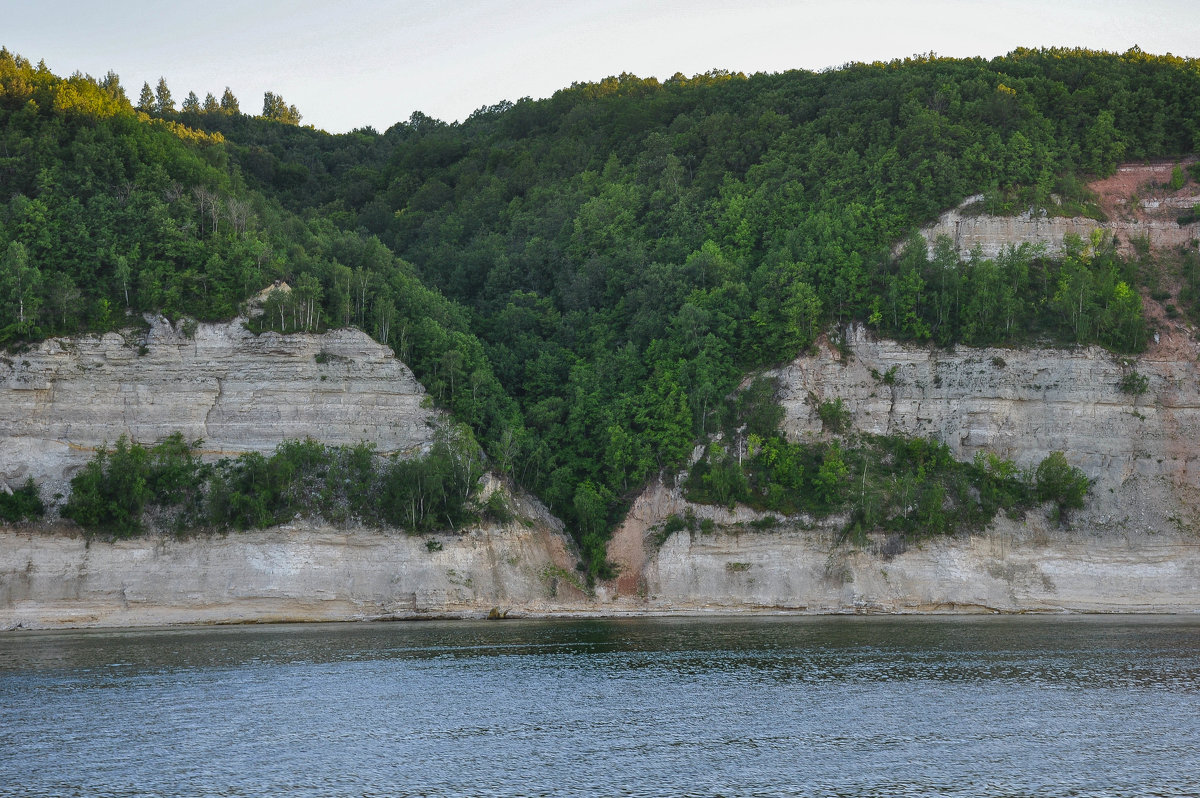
300 478
1058 481
834 415
1178 179
111 491
23 504
906 486
1134 383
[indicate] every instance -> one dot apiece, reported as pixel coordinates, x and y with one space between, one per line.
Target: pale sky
352 63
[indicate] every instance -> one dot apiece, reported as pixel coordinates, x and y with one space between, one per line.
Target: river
821 706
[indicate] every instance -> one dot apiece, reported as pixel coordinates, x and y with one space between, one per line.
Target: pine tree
163 104
112 84
229 103
191 103
146 100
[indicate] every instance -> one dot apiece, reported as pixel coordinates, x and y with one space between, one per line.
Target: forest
583 280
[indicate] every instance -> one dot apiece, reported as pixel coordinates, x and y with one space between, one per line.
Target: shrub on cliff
299 479
23 504
1059 482
110 493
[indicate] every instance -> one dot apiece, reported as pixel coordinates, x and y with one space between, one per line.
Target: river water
837 706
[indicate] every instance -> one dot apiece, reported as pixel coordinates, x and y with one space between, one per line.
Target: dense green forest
583 279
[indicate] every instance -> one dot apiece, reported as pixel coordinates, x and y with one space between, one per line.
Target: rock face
1136 200
289 573
1141 450
242 392
1136 546
991 234
235 390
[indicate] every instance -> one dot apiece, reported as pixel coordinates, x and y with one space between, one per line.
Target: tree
229 103
110 492
276 109
1103 145
123 274
111 83
211 106
20 282
146 99
191 104
1058 481
163 103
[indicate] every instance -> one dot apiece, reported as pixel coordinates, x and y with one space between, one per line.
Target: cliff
1136 201
242 392
232 389
296 572
1134 548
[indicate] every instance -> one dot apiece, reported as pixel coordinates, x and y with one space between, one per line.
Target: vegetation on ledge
118 487
904 485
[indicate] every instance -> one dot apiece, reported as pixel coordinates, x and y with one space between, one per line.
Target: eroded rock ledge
299 572
1135 548
234 390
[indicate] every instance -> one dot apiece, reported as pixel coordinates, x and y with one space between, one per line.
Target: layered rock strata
1134 548
290 573
224 385
992 234
1137 201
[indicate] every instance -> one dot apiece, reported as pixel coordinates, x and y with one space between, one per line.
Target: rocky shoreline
296 573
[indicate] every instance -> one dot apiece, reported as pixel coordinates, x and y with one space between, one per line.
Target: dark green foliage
834 415
22 504
300 479
1059 482
755 410
111 491
1134 383
1087 297
1178 178
496 508
907 486
581 279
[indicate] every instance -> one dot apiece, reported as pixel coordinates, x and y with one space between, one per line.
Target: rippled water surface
792 706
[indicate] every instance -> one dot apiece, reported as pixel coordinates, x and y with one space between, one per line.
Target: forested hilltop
584 279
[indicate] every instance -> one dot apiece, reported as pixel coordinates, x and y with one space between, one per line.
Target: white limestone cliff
1134 548
224 385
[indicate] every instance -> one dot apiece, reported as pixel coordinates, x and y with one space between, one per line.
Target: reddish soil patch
1139 192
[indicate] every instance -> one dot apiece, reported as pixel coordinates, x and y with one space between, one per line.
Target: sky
348 64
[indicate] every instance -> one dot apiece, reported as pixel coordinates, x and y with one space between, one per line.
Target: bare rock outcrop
1022 404
241 392
222 384
1134 548
296 572
1136 200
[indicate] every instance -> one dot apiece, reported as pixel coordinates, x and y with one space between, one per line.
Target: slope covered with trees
582 279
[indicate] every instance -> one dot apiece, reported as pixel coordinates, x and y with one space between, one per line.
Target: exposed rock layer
291 573
234 390
1135 548
1136 199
